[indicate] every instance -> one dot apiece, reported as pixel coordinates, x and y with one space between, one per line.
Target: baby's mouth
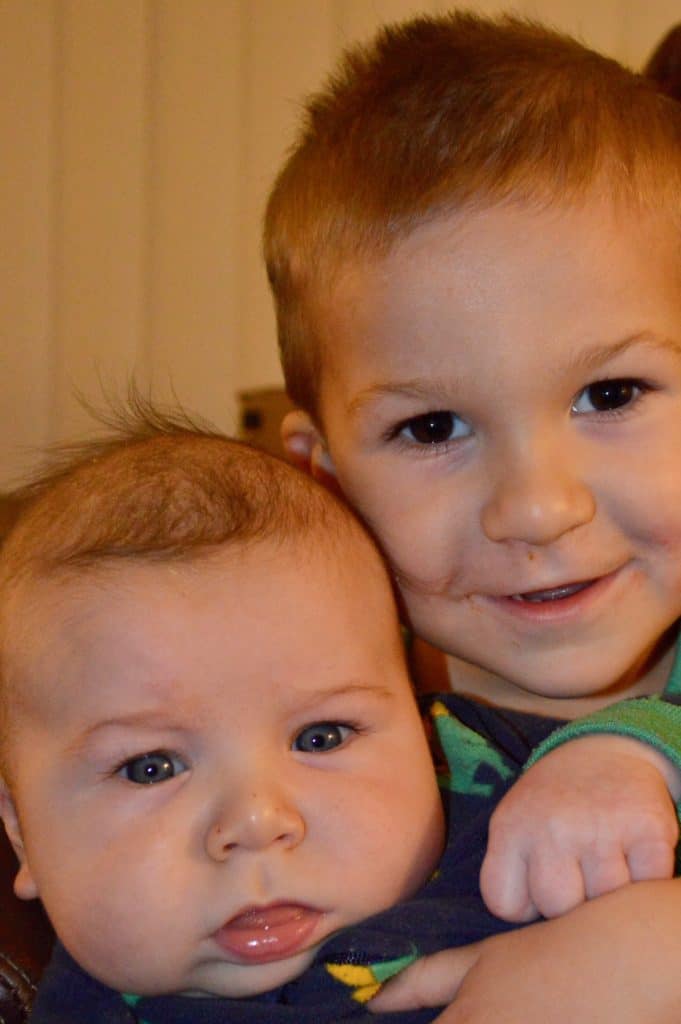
262 934
552 593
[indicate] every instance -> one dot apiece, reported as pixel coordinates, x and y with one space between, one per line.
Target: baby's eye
607 395
156 766
434 427
321 737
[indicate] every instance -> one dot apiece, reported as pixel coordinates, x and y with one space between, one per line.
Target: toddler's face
209 766
502 403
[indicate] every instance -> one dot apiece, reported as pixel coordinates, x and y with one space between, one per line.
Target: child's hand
612 960
586 819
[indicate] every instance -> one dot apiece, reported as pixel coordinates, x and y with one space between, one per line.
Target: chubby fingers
520 885
505 884
652 859
560 879
431 981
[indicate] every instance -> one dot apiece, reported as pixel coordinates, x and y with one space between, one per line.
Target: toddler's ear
24 884
306 448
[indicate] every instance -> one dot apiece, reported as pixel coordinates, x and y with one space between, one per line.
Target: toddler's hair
664 64
450 113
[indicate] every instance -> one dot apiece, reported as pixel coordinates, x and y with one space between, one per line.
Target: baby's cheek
113 937
98 909
91 928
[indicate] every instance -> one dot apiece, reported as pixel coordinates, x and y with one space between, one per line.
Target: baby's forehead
152 639
42 606
73 604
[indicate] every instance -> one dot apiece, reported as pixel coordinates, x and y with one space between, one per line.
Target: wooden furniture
260 414
26 939
26 935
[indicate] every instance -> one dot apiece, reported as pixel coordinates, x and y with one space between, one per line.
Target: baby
213 765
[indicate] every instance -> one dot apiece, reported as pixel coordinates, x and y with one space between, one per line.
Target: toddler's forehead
478 274
485 223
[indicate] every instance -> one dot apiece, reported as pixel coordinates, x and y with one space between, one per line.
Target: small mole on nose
530 556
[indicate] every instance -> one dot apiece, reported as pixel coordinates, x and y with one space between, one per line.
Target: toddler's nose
536 499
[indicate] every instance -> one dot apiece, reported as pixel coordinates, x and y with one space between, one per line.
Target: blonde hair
664 64
158 489
445 113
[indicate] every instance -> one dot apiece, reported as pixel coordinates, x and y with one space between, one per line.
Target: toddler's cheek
660 535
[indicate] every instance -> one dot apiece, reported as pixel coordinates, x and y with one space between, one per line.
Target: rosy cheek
419 550
660 526
670 541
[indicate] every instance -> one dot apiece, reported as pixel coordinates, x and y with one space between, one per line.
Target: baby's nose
256 822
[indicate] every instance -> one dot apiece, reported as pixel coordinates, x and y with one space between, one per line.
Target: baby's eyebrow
377 692
157 719
152 719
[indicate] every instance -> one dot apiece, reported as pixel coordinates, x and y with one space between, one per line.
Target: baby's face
502 403
218 765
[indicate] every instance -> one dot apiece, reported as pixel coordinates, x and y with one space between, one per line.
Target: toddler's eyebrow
438 395
433 391
592 358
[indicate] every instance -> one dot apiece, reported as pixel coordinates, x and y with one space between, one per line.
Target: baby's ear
306 448
24 884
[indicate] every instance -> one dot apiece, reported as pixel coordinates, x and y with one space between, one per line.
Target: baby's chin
246 981
210 979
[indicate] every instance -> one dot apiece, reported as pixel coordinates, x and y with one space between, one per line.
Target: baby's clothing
484 751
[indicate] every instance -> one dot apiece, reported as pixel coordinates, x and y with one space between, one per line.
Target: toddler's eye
156 766
435 427
321 737
607 395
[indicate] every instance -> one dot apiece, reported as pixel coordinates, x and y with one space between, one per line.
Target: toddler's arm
585 819
587 816
613 959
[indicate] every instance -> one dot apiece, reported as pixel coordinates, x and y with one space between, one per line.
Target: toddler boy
474 253
213 766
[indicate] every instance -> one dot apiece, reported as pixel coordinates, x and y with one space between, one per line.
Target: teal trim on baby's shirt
673 686
131 1000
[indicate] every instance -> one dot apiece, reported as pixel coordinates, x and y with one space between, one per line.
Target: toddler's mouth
273 932
552 593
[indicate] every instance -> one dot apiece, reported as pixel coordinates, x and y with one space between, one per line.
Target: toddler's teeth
552 594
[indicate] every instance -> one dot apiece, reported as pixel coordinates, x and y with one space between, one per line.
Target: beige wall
139 138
